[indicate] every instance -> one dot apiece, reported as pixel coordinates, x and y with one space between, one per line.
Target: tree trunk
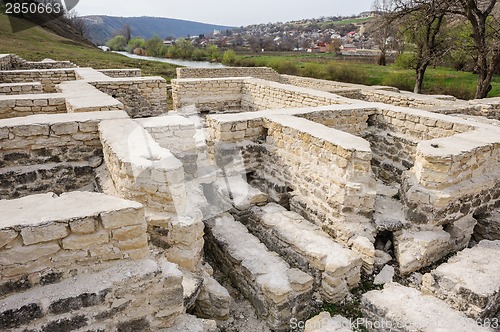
382 59
419 82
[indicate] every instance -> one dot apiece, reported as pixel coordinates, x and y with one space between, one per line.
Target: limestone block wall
5 62
12 106
140 168
328 171
142 96
264 73
44 237
121 73
48 77
228 94
260 95
20 88
44 153
454 177
176 134
394 132
210 94
83 97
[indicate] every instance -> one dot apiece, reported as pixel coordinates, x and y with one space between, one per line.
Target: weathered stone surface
32 235
306 246
415 250
325 323
259 274
469 281
385 276
406 309
213 301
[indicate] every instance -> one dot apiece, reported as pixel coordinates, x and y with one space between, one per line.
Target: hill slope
36 43
101 28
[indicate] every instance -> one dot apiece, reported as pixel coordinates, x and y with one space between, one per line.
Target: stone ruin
117 214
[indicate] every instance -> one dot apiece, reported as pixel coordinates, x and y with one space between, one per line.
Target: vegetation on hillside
36 43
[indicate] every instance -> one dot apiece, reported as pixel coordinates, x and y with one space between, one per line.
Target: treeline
428 31
179 49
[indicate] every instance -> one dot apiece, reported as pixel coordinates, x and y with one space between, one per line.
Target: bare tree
423 22
77 22
383 28
486 36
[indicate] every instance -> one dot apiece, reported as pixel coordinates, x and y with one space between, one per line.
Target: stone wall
327 171
264 73
12 106
121 73
142 96
48 77
47 236
176 134
211 95
20 88
44 153
140 295
230 94
261 95
5 63
454 177
141 169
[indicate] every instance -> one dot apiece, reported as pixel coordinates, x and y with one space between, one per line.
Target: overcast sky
225 12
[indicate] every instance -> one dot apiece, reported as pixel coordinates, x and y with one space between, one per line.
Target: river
184 63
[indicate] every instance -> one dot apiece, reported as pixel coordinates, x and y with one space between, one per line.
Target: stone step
142 294
469 281
278 292
304 245
399 308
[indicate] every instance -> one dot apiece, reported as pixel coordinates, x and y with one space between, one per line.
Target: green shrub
314 70
400 80
283 66
407 60
345 72
229 58
134 43
117 43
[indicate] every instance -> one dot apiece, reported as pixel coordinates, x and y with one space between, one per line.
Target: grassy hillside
36 44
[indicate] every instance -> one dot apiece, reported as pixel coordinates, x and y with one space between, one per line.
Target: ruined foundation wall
12 106
264 73
262 95
20 88
176 134
121 73
141 170
49 78
210 95
49 152
57 234
142 97
454 177
328 170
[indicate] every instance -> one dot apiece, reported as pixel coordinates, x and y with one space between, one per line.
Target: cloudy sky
225 12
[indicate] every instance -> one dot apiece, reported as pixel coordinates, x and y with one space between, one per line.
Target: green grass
439 80
36 44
